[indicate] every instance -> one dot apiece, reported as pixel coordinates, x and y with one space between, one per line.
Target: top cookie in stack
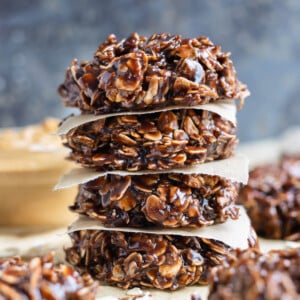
137 73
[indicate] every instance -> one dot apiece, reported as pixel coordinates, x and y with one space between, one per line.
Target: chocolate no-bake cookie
272 199
154 141
41 278
251 275
146 260
168 200
139 73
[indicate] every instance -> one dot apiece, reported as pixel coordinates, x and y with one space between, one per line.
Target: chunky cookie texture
272 199
155 141
146 93
168 200
251 275
140 73
41 278
146 260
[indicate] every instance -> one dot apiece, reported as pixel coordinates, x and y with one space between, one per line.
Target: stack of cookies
156 138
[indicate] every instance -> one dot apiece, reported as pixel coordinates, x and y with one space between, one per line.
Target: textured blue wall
38 40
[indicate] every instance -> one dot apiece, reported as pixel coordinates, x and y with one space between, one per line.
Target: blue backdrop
38 40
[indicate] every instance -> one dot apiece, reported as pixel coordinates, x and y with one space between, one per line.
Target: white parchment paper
234 233
225 108
234 168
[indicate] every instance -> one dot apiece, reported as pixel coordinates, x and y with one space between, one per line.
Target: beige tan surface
36 137
31 161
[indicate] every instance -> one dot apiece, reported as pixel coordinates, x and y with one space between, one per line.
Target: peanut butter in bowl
32 160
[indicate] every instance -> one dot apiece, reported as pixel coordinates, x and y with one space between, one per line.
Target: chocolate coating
168 200
252 275
154 141
272 199
146 260
139 73
41 278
